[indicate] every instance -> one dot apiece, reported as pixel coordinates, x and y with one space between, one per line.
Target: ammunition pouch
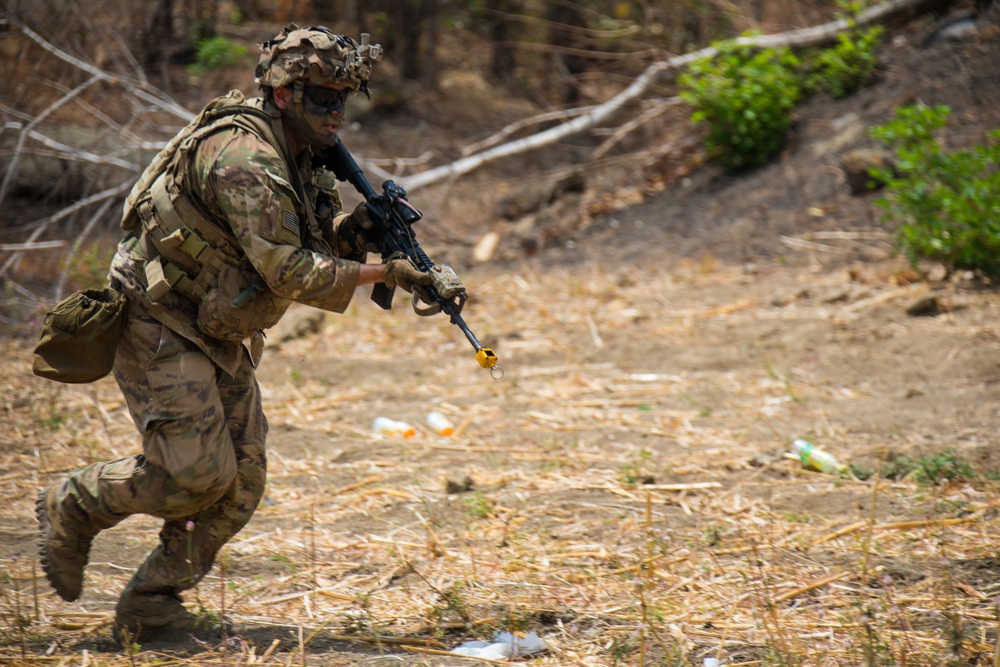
238 305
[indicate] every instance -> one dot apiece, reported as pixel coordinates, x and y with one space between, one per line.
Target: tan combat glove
401 272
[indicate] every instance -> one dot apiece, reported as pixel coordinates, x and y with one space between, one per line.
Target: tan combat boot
150 617
64 546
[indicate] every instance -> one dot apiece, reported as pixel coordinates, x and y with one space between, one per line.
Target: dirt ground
625 490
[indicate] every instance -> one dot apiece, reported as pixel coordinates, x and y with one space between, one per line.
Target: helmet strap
299 90
279 129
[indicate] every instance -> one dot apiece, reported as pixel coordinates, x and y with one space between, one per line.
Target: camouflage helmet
316 55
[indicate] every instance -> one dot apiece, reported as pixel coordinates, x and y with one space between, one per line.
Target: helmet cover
317 56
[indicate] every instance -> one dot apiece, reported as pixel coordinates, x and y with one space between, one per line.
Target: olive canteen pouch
80 336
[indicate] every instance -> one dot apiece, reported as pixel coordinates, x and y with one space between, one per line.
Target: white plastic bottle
816 458
392 427
440 424
405 429
384 426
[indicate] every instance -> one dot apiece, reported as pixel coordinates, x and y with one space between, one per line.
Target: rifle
394 216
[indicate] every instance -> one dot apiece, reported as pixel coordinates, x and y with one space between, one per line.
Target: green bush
746 95
217 53
947 203
848 66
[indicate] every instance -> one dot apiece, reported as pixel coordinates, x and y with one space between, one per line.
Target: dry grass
613 508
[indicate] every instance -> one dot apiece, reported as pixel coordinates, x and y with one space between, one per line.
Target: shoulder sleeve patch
288 224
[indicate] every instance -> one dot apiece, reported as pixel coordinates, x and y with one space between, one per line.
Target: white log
38 245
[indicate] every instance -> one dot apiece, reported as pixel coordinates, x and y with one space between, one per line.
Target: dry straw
629 515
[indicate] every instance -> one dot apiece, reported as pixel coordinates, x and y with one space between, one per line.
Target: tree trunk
408 28
429 73
159 33
566 66
503 58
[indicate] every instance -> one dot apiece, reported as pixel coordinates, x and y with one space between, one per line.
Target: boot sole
67 593
121 630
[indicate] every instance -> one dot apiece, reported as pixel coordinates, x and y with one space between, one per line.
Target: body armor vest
185 249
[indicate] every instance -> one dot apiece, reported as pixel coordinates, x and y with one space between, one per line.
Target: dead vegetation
618 492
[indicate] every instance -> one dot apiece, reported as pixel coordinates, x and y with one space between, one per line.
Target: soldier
226 227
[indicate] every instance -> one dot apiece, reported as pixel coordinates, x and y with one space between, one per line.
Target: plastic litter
503 646
711 662
392 427
440 424
816 458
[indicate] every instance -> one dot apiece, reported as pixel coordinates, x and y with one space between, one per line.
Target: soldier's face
318 118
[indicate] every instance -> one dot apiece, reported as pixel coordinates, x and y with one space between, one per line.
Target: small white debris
503 646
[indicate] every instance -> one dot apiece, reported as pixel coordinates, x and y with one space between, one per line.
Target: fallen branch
40 245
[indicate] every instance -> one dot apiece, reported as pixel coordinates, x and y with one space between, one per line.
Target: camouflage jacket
278 230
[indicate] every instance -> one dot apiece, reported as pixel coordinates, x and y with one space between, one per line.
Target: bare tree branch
516 127
649 114
41 225
544 138
139 88
94 219
67 152
12 167
41 245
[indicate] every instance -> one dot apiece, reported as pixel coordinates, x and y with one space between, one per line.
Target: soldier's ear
283 96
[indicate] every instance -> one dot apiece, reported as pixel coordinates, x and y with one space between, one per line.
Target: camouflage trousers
203 464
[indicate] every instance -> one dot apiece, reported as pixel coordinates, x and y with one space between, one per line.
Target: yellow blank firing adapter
487 359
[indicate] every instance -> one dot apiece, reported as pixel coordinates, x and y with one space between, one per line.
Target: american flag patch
290 222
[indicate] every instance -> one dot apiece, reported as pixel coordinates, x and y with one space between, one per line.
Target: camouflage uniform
187 370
